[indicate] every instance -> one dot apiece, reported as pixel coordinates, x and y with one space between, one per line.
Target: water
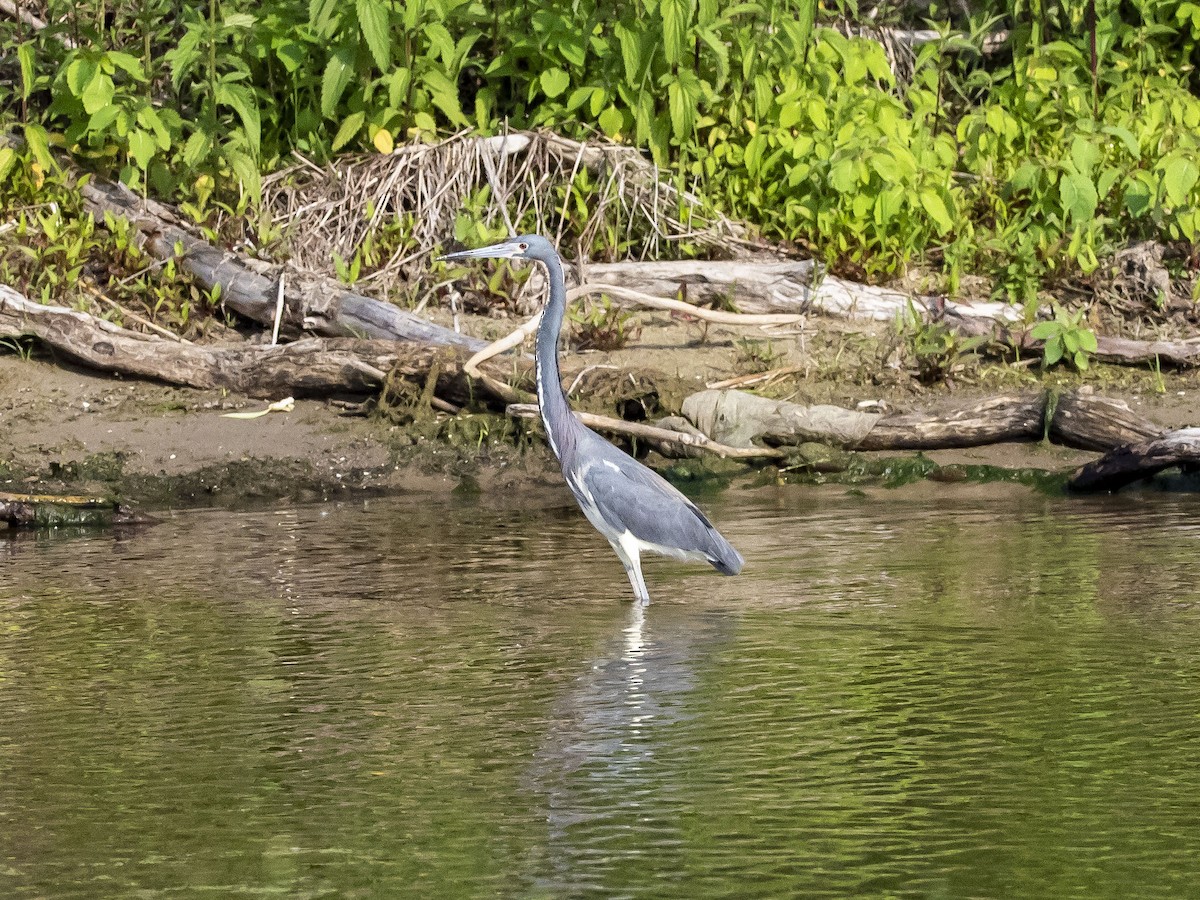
921 693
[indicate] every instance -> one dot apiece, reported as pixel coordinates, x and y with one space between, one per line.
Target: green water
908 694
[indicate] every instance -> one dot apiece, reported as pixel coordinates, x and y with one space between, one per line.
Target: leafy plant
602 326
934 349
1066 338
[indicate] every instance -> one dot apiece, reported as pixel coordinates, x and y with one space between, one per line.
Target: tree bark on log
1089 422
1133 462
308 367
991 421
320 307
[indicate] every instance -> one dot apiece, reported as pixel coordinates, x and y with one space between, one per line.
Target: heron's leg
639 585
631 558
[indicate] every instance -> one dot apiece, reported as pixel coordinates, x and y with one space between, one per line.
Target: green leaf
246 171
554 81
790 115
935 206
631 52
1081 361
25 56
1125 136
141 147
290 53
578 97
818 115
1084 154
675 15
196 149
130 64
8 158
611 121
1043 330
1138 196
373 20
80 73
350 126
444 94
337 75
683 111
1087 340
1053 351
39 143
1179 178
98 94
842 177
241 100
1079 197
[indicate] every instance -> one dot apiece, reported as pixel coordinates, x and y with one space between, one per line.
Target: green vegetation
1029 164
1067 339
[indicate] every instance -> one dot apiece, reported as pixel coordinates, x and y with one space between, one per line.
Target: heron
634 507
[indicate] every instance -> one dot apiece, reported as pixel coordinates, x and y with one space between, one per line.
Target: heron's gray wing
631 497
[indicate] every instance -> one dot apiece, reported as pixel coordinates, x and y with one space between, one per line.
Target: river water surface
911 693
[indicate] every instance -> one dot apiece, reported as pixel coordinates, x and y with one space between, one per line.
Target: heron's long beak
504 250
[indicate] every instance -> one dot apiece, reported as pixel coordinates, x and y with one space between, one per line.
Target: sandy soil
66 428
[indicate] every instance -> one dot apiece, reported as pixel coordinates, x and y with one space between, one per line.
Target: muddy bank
65 429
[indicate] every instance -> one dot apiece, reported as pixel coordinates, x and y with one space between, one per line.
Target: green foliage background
1027 164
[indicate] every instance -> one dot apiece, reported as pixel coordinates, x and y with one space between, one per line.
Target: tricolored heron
632 506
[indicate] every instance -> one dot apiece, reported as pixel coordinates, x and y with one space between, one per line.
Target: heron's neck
556 413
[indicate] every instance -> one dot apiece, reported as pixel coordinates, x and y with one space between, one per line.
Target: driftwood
738 418
308 367
1078 420
1132 462
319 306
990 421
774 286
673 442
48 511
1088 422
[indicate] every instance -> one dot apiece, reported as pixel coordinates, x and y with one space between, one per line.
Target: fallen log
738 418
1132 462
1083 420
316 305
991 421
50 511
308 367
1078 420
775 286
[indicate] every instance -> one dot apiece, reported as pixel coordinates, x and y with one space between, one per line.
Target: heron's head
526 246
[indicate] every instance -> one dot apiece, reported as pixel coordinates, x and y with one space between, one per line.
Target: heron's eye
523 247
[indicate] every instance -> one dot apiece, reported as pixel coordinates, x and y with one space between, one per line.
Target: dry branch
1132 462
313 303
